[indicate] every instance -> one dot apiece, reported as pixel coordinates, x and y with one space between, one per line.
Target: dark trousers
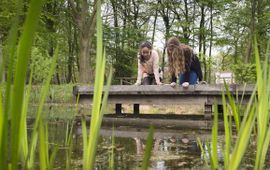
149 80
192 78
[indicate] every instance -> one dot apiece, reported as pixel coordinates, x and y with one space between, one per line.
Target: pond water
173 149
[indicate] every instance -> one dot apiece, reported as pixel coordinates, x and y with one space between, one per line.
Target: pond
173 149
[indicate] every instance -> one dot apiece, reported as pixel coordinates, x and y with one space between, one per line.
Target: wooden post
220 108
136 109
208 111
118 109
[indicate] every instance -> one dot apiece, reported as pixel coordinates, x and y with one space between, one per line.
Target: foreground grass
255 122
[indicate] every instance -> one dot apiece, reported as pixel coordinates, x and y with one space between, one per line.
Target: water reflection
170 152
172 149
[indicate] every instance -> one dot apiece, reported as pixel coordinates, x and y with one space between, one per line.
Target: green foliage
40 64
7 13
257 111
126 63
125 29
244 73
123 51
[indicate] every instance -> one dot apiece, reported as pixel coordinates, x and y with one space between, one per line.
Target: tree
165 12
85 22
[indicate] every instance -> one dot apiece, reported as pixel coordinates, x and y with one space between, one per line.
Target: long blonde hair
180 56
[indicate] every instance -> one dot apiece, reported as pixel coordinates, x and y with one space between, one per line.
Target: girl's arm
156 66
139 75
198 68
173 78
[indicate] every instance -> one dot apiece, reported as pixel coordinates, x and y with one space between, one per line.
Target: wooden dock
166 95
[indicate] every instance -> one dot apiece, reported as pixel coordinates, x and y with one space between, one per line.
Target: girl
183 63
148 65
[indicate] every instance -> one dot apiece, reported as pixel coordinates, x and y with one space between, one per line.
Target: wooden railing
126 80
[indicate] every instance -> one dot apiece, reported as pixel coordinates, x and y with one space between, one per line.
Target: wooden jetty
166 95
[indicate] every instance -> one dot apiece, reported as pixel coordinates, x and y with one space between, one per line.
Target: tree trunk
86 30
154 27
193 25
252 31
117 30
84 60
70 54
164 11
202 41
211 42
186 32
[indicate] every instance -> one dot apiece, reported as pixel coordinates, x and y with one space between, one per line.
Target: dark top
195 66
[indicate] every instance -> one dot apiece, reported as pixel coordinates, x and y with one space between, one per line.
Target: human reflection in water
156 163
140 145
177 152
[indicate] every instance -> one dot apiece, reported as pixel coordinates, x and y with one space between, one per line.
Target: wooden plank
161 100
167 90
150 100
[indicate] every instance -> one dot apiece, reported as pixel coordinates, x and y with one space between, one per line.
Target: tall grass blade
267 138
9 61
263 79
234 108
52 157
85 138
111 156
208 148
1 121
94 134
227 129
261 124
214 143
242 96
23 128
264 151
69 144
43 155
23 53
242 141
203 153
97 113
148 149
244 134
44 92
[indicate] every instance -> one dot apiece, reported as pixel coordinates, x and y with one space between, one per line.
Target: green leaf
148 149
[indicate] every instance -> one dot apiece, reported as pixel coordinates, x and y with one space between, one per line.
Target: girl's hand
173 84
185 84
137 83
159 83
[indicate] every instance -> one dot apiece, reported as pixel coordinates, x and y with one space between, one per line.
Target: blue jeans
192 78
